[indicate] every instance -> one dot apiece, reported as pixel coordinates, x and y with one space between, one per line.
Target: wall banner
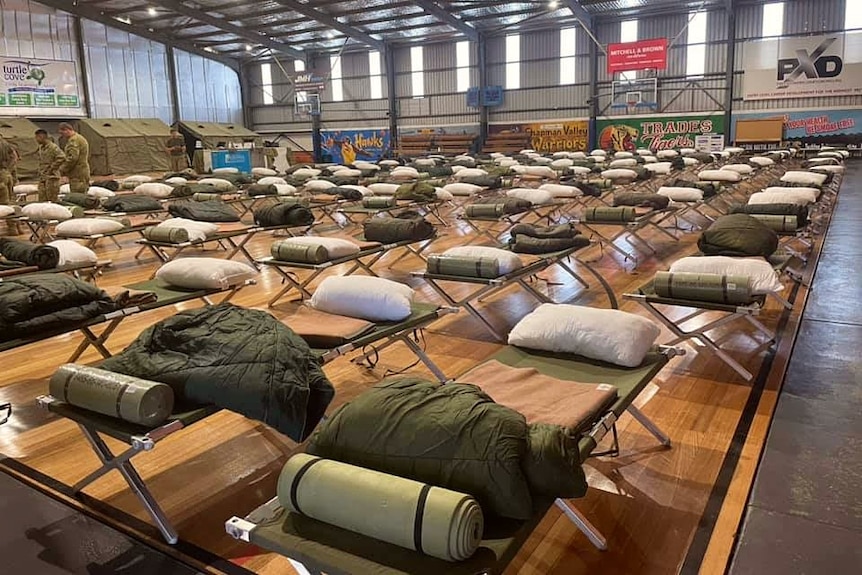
348 146
656 133
814 126
805 67
27 83
550 136
641 55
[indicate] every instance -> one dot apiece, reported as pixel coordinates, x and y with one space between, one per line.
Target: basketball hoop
634 96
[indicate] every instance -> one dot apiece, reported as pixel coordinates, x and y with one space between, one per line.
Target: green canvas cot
120 146
20 133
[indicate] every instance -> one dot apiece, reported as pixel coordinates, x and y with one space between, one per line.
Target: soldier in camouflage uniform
8 158
51 157
76 167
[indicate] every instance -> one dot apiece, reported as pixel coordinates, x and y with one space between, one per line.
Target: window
266 83
462 65
853 15
567 56
375 75
299 67
417 71
695 54
335 78
513 62
773 19
629 33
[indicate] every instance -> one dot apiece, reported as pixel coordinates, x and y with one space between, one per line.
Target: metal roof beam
324 18
445 16
95 16
239 31
581 14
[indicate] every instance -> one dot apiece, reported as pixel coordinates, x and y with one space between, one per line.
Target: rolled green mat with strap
114 394
463 266
262 190
620 214
485 210
431 520
602 183
168 235
206 197
703 287
777 223
287 251
291 201
378 202
77 211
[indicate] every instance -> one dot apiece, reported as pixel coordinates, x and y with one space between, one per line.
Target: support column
391 96
82 58
174 88
730 78
315 138
593 136
482 64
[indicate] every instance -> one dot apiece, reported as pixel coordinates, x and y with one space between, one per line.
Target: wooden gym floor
663 511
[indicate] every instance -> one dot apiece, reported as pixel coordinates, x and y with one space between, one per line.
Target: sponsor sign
30 83
640 55
348 146
550 136
657 133
814 126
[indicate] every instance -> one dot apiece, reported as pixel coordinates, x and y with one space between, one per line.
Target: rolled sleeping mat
602 183
262 190
206 197
128 398
777 223
463 266
379 202
620 214
485 210
703 287
431 520
287 251
293 201
167 235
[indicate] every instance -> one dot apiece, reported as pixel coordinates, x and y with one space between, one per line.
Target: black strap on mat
420 517
294 487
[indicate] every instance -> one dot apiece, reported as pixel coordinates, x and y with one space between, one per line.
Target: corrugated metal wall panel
716 58
214 96
540 45
716 26
813 16
749 21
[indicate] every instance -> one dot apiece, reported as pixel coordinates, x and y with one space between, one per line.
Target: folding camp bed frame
431 209
654 303
631 230
234 241
140 438
85 271
165 296
495 228
323 548
484 288
40 230
365 259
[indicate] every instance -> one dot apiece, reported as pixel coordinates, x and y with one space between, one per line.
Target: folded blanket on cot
322 330
346 193
709 189
85 201
393 230
537 246
418 192
414 428
189 190
112 185
496 207
738 235
238 359
262 190
131 203
655 201
283 214
211 211
795 210
40 302
29 254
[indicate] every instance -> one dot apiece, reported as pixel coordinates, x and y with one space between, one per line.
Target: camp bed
698 332
233 238
40 230
322 548
646 219
432 209
369 254
495 228
483 288
165 294
85 271
137 227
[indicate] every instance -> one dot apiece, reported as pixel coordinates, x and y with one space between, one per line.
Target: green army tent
19 132
211 134
125 146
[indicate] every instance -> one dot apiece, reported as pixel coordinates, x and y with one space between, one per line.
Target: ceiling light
151 11
208 49
248 48
330 34
553 4
123 20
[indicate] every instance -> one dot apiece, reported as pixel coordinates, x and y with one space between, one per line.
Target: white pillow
319 185
734 150
272 181
306 173
198 231
6 210
561 191
65 189
389 163
384 189
579 170
470 173
263 172
444 195
425 162
816 161
619 174
335 247
830 154
285 189
666 154
405 172
764 279
507 162
803 197
577 155
87 226
72 252
687 151
662 168
649 159
368 298
719 176
154 190
527 151
218 183
26 189
761 161
348 173
462 189
623 163
738 168
541 171
534 196
176 181
361 189
828 169
366 167
609 335
681 194
804 178
623 155
225 170
205 273
132 182
600 153
46 211
507 261
815 192
644 152
562 163
542 161
99 192
690 161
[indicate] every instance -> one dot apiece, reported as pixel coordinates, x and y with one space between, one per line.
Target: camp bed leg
240 247
583 524
649 425
760 327
97 341
293 283
605 285
533 291
465 303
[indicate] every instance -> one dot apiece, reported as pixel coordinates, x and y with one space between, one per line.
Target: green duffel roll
432 520
116 395
610 215
703 287
602 183
205 197
463 266
485 210
391 230
777 223
262 190
379 202
167 235
286 251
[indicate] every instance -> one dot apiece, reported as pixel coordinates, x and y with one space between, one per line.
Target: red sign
642 55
